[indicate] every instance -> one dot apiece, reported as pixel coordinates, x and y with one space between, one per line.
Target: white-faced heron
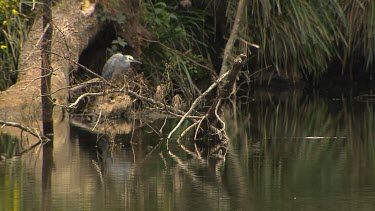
116 65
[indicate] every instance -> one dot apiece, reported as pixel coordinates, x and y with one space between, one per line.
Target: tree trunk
47 104
233 36
22 103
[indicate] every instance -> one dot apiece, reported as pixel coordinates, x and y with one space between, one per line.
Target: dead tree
46 72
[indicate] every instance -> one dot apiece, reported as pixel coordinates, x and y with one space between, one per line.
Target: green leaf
172 16
160 4
158 11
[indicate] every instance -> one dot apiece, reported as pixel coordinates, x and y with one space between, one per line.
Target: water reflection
9 146
306 152
287 152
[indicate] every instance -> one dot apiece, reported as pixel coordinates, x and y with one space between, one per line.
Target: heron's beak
135 61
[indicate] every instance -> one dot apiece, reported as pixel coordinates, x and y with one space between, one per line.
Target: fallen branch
81 86
75 104
196 101
211 118
32 131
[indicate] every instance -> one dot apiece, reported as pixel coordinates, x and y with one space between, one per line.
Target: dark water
287 152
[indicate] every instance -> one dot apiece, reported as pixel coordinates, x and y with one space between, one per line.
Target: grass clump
15 18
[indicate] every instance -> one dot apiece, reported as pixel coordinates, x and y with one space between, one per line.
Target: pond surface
287 152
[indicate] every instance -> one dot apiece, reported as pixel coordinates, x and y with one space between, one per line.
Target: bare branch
233 36
75 104
196 101
32 131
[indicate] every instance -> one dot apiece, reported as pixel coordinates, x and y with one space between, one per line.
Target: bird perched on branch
116 65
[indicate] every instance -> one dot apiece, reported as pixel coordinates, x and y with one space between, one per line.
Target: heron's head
130 59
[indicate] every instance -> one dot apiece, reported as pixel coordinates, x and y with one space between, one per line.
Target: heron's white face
129 58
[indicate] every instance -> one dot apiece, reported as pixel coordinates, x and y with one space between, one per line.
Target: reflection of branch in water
131 138
153 150
183 134
163 159
161 128
153 129
196 179
235 163
184 167
97 168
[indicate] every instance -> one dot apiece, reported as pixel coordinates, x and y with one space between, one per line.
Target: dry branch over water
208 121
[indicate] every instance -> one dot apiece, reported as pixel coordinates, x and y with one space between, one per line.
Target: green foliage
175 69
13 33
103 16
359 31
116 45
166 25
183 72
297 35
182 37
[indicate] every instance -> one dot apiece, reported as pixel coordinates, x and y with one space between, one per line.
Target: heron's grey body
116 65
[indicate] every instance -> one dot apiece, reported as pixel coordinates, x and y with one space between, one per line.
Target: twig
38 42
154 102
218 117
84 84
181 54
195 103
97 122
35 79
83 67
200 122
32 131
153 129
184 132
249 43
74 105
161 128
260 70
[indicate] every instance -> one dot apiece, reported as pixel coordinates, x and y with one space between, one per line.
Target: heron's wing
109 67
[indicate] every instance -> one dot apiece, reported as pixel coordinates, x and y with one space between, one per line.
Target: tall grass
298 35
179 45
360 32
301 38
297 38
13 33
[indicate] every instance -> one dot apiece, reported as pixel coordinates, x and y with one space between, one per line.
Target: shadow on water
287 152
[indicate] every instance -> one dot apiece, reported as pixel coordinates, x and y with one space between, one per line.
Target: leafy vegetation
308 36
15 17
179 45
297 38
116 44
